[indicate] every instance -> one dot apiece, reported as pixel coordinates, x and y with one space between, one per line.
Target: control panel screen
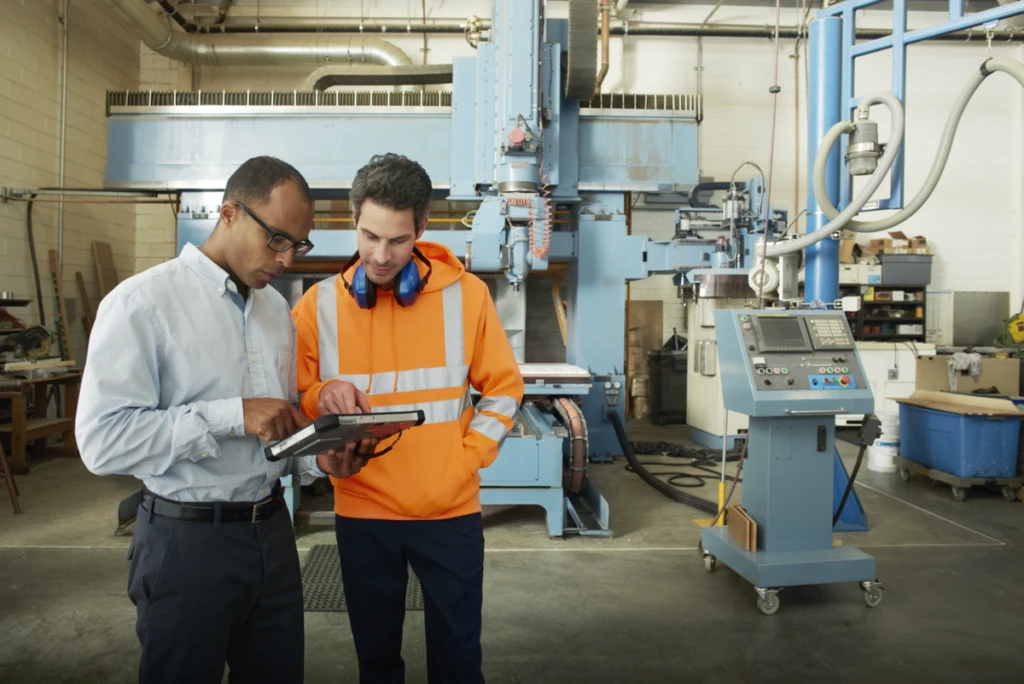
781 333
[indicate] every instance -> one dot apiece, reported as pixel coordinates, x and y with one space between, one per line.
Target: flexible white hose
1015 69
875 180
840 220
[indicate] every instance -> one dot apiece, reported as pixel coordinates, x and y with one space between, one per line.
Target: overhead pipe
202 50
605 26
357 75
222 12
768 32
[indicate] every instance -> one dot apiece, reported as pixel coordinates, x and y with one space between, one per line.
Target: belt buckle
257 506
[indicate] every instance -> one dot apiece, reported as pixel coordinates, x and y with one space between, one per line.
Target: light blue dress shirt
172 353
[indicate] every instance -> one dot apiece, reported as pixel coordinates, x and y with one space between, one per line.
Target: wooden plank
39 427
87 314
63 334
105 271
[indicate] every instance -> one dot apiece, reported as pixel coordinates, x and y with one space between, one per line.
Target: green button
744 318
846 370
830 371
785 371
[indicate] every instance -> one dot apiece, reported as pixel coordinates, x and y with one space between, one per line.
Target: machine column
822 277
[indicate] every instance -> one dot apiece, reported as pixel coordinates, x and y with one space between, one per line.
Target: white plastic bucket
882 455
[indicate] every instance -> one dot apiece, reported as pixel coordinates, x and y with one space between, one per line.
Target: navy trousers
448 558
207 594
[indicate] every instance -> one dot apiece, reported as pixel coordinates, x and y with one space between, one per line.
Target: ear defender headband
408 284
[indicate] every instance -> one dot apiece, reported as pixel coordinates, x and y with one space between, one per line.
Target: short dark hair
393 181
255 179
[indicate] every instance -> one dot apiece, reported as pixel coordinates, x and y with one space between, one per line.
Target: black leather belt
206 512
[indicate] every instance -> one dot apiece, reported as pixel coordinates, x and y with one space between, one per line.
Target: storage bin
906 269
668 386
961 445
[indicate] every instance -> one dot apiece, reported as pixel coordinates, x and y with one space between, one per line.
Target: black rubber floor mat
321 583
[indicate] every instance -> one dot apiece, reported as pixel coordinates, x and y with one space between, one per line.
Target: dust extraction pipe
157 34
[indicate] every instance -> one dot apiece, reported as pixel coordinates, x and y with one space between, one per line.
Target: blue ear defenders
407 287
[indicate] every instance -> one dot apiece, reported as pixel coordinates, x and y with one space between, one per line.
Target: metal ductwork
155 31
357 75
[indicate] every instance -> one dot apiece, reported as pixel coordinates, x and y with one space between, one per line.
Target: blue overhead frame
836 55
821 279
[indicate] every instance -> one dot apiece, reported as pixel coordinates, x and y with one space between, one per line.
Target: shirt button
205 454
220 290
255 358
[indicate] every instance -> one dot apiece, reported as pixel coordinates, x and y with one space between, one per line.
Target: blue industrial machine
521 134
792 372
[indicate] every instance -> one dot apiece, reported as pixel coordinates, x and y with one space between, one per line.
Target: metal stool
12 486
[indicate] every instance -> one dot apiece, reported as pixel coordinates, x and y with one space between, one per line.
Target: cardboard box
899 243
849 274
871 274
910 329
883 296
641 408
742 527
640 386
1003 374
898 295
636 338
846 247
637 361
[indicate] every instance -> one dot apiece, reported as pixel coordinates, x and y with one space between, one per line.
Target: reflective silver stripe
327 327
454 342
411 380
490 427
505 406
443 411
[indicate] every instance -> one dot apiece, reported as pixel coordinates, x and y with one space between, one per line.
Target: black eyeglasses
279 242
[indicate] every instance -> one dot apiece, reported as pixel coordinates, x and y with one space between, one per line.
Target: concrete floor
638 607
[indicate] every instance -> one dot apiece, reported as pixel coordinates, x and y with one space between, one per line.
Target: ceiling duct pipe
768 32
357 75
320 50
605 26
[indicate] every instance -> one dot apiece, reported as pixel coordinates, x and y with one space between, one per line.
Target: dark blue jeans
448 558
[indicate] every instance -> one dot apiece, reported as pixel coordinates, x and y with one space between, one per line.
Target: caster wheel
873 596
1009 494
768 604
710 562
904 474
959 493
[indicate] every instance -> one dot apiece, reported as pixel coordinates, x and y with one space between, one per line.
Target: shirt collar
209 272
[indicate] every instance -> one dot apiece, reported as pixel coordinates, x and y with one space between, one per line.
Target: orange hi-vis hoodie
424 356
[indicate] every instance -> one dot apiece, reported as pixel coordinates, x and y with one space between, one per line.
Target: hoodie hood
445 266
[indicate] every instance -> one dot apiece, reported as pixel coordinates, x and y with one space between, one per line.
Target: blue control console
792 372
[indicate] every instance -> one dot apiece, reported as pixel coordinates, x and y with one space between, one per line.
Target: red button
845 380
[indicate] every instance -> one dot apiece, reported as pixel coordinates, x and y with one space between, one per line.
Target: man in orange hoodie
410 327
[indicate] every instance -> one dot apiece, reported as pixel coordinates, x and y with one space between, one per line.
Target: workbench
24 429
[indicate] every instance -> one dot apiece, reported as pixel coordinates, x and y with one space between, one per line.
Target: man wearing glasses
191 367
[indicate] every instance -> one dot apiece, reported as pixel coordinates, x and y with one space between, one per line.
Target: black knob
767 382
751 347
790 381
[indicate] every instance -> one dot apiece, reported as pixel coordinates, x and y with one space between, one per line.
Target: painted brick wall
100 57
